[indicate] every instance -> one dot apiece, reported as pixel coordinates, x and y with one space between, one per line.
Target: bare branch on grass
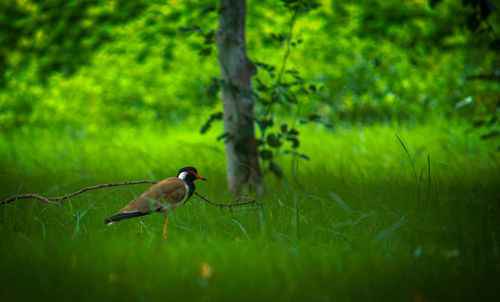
58 201
249 201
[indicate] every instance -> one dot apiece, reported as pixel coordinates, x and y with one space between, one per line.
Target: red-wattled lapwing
165 196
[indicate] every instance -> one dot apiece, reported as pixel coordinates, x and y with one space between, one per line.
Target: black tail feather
122 216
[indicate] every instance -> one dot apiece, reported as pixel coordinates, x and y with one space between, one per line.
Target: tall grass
362 228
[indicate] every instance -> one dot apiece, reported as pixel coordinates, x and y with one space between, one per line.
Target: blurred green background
129 63
103 91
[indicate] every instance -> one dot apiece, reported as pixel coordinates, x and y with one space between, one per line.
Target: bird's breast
174 205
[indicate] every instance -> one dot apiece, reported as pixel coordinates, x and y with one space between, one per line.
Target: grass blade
412 166
241 227
388 232
339 200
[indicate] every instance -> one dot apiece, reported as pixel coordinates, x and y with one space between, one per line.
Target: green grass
370 228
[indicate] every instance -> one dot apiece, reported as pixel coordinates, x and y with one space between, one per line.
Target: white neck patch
183 175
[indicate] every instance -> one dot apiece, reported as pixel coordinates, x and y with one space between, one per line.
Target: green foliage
59 34
278 95
133 62
133 80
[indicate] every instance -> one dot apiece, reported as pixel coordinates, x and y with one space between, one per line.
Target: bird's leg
165 227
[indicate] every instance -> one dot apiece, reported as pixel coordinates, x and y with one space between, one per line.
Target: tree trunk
243 171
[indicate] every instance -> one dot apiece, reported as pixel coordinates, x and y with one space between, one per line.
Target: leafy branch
277 92
285 92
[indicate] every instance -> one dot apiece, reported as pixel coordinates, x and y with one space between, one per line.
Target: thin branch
250 201
61 198
288 42
53 200
25 196
291 25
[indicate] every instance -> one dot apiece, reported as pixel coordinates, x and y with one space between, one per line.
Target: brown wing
171 190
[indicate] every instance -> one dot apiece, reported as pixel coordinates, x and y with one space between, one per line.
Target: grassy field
370 227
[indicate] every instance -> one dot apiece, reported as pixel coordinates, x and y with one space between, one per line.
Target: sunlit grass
368 228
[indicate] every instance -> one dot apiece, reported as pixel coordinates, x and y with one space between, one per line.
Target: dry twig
250 201
61 198
24 196
57 201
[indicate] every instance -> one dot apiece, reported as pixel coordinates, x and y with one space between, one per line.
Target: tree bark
243 170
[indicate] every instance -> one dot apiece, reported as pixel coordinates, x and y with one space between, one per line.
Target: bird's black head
189 174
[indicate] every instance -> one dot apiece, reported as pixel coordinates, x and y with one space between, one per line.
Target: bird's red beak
198 176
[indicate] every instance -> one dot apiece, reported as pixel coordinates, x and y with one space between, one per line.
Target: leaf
266 154
205 127
213 87
284 128
304 90
300 5
261 86
478 123
183 29
264 124
301 155
264 101
433 3
290 98
294 140
190 29
309 7
493 120
276 169
213 117
273 140
490 134
312 88
275 98
314 117
209 38
226 137
266 67
205 51
300 79
208 9
280 38
217 116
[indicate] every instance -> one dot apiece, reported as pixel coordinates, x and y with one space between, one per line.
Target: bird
164 197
